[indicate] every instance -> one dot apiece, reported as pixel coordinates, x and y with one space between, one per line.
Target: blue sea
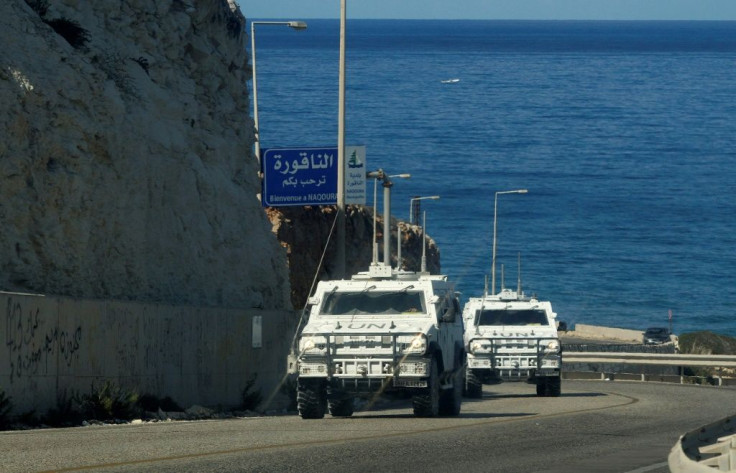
624 134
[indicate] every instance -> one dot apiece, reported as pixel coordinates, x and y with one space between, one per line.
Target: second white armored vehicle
382 332
511 337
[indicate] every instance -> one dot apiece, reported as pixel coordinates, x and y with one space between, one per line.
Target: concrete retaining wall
608 333
54 346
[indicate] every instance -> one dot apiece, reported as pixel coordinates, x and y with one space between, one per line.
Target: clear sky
496 9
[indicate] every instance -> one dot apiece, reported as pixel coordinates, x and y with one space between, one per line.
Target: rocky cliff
126 169
308 233
125 162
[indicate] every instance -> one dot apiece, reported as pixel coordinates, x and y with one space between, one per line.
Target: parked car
656 336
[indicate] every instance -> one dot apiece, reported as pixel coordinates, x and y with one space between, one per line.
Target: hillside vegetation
706 342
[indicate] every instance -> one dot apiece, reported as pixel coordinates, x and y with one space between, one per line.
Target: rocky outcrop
126 169
306 231
125 155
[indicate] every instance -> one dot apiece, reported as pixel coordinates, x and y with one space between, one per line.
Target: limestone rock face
125 162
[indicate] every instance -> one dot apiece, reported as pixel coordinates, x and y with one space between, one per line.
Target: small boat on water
450 81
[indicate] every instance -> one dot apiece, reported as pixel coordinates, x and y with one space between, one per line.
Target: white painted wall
52 346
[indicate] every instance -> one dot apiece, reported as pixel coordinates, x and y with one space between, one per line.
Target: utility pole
340 266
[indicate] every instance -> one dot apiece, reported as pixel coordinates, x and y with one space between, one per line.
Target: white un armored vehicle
510 337
382 332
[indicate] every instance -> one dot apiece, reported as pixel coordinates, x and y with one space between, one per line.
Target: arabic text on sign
318 161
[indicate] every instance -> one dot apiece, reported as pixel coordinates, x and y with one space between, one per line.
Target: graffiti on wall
34 344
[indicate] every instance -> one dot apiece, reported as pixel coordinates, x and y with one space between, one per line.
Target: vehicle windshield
511 317
656 331
370 302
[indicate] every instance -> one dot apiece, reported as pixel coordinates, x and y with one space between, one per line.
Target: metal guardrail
666 359
706 449
619 347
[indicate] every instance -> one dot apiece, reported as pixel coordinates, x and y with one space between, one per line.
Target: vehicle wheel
541 387
339 404
311 398
427 402
451 399
554 386
473 385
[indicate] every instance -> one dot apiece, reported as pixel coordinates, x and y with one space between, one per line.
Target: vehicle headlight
479 345
551 346
416 345
311 345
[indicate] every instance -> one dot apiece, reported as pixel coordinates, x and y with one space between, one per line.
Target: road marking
656 466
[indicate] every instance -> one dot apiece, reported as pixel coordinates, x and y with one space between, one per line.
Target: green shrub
109 402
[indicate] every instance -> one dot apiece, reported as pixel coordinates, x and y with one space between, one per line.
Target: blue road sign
299 176
308 176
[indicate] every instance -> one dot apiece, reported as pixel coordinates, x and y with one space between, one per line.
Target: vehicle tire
311 398
339 404
473 385
451 399
427 402
554 386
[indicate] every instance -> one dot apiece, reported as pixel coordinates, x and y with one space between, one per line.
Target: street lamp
340 220
411 205
296 25
495 208
387 184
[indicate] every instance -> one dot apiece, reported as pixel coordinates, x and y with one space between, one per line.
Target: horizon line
502 19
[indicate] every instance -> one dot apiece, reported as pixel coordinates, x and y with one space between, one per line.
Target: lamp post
340 220
423 266
296 25
411 205
387 184
495 208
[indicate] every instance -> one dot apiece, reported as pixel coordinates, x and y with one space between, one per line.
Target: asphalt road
595 426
